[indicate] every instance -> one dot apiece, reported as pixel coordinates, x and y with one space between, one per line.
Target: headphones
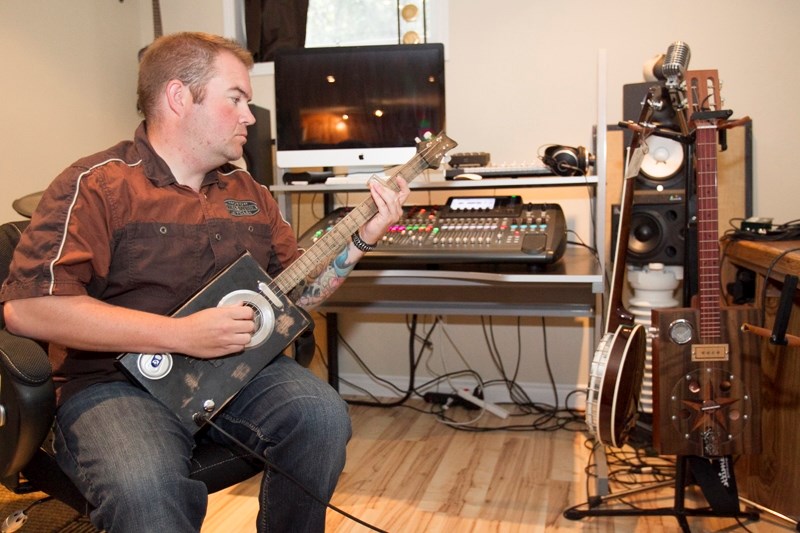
566 160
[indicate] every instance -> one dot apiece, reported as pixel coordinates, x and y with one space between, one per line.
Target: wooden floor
408 472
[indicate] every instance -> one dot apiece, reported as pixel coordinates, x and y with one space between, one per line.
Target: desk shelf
438 183
565 289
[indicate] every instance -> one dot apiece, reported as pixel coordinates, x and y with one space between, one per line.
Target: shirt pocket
167 261
255 238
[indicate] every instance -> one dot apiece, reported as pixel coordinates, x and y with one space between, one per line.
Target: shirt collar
155 168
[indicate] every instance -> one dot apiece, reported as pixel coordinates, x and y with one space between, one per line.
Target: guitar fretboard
708 233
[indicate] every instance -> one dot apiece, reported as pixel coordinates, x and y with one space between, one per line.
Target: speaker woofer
663 162
657 228
657 234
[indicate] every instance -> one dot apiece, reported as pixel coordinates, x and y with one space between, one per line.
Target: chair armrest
27 401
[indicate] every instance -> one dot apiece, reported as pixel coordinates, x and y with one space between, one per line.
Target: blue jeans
130 456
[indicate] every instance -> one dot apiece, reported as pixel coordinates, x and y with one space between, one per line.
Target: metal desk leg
332 333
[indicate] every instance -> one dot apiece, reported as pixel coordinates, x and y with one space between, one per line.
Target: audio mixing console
494 229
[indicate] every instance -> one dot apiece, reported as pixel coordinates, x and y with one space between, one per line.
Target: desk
568 288
771 477
572 287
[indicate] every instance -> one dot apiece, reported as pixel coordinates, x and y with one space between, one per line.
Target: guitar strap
717 480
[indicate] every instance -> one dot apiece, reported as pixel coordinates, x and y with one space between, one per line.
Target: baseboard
356 384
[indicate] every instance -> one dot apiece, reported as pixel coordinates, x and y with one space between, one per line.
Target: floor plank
407 472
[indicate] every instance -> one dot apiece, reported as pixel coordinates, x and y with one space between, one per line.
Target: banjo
617 366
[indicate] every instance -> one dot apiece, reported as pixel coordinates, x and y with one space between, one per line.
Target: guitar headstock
703 92
434 149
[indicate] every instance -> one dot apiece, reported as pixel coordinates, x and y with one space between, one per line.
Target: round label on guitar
154 365
263 315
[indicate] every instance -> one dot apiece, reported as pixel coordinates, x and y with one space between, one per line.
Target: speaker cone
656 235
663 162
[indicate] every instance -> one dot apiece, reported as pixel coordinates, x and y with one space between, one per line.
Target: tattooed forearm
316 291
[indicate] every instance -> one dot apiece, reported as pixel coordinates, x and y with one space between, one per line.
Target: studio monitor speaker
665 164
658 228
258 148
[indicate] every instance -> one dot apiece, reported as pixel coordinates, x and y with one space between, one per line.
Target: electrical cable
767 276
549 418
413 363
366 368
206 419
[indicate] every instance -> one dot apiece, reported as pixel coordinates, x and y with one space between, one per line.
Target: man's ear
178 96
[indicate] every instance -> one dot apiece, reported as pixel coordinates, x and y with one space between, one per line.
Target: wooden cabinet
771 477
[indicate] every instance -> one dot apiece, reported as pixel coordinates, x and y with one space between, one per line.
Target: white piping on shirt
69 215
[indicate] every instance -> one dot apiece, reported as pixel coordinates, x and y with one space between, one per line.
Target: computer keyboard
502 171
354 179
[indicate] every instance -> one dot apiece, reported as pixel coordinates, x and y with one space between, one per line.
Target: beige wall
68 85
521 74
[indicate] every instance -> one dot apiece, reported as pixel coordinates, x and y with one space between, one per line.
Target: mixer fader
493 229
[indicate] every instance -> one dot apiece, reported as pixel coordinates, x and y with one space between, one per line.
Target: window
357 22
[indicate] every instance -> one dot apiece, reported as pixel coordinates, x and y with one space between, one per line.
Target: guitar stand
678 509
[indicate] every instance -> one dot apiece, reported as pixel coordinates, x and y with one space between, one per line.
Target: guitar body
615 384
706 396
190 386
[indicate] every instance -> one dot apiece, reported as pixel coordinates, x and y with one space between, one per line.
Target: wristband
361 245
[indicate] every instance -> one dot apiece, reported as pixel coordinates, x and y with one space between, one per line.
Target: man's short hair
186 56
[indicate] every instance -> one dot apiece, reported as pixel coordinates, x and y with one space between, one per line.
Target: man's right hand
217 331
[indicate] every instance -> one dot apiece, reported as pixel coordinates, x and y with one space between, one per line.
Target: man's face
219 123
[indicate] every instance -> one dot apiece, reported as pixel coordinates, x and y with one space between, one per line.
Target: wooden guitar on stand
706 371
703 373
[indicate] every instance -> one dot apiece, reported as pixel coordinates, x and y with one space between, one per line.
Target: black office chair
27 408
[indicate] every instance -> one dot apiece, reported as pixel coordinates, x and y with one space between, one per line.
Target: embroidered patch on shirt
241 208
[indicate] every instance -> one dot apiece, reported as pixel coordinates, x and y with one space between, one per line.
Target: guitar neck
157 29
333 241
708 233
617 314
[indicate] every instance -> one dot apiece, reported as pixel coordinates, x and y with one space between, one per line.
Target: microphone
676 61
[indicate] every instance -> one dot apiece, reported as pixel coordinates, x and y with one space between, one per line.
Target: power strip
492 408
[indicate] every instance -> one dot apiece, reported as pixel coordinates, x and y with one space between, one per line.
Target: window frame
233 27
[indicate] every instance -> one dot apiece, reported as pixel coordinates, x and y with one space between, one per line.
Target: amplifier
495 229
